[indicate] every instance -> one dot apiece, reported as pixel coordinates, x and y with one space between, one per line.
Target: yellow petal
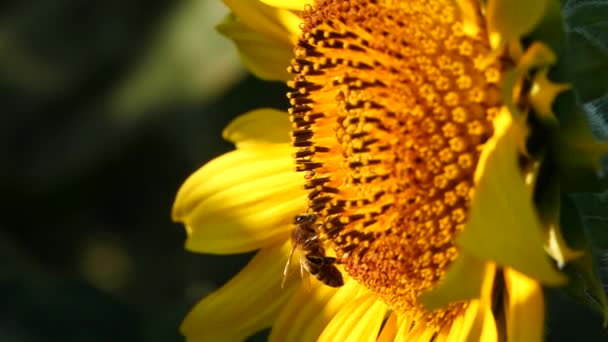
420 332
308 311
404 324
359 320
245 217
249 302
489 332
278 24
259 127
227 171
240 201
537 56
390 328
524 308
476 322
502 224
470 16
544 92
245 199
556 246
510 19
296 5
266 57
484 326
462 324
248 131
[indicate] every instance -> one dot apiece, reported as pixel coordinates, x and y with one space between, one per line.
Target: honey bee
312 254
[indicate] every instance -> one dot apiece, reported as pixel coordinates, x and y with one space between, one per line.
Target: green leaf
584 222
547 199
597 113
593 210
586 62
586 54
587 16
550 29
580 145
576 150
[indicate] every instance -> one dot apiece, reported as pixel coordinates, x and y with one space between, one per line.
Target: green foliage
584 224
593 209
586 65
578 146
582 112
586 50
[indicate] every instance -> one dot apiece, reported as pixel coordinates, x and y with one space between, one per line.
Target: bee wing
304 274
291 270
287 268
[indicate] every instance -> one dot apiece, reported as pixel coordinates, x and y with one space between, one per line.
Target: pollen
390 112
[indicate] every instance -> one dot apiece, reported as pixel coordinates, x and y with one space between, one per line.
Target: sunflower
409 129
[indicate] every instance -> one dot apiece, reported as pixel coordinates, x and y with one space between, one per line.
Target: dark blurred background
107 107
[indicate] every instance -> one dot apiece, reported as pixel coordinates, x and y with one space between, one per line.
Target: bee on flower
422 138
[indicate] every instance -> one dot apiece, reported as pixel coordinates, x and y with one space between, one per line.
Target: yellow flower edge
482 249
264 36
246 196
320 311
264 56
503 226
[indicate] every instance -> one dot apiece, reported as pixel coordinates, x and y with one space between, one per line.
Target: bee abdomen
324 270
330 276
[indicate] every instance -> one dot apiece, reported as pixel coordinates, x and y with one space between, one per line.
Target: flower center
392 104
